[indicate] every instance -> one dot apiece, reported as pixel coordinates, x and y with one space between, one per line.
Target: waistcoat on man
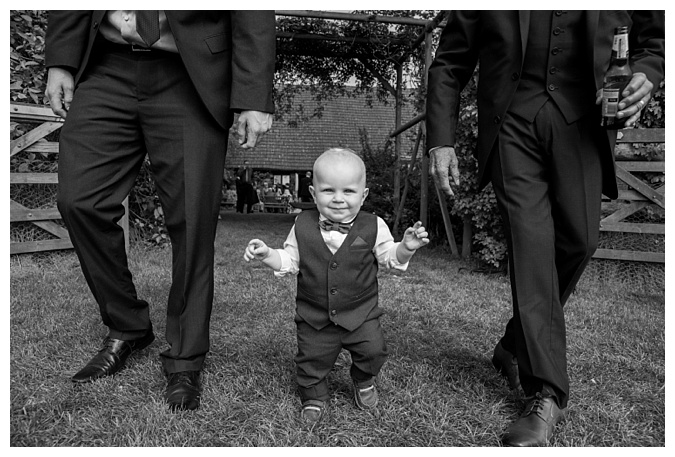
551 68
340 288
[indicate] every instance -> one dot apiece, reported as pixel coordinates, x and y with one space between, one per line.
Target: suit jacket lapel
592 21
524 20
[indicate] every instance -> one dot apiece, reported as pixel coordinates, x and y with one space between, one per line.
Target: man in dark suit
541 145
165 83
303 190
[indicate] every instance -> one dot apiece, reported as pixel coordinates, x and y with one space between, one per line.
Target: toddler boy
335 252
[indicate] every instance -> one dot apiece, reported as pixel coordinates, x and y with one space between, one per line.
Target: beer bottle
615 81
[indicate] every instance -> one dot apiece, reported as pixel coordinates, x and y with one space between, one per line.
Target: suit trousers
125 105
547 179
319 349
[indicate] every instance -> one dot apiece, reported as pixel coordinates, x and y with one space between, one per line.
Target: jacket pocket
218 43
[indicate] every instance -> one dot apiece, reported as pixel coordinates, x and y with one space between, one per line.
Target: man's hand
442 160
59 92
415 237
636 96
251 126
257 250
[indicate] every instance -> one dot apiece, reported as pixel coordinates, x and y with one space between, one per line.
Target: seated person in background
230 194
337 292
287 195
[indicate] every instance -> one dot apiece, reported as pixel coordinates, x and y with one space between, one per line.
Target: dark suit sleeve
647 45
253 59
450 71
66 40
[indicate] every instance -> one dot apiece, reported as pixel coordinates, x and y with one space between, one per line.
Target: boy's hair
344 153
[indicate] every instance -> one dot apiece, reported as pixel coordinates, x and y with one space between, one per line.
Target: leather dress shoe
536 425
111 358
507 365
182 390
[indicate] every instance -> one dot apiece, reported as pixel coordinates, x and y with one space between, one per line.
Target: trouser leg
317 352
547 178
187 153
368 350
99 159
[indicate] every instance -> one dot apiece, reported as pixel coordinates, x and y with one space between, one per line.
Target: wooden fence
34 142
636 193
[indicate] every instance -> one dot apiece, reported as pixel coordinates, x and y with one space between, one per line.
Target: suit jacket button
333 265
497 119
333 312
333 291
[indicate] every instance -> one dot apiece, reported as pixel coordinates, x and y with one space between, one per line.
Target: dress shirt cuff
393 262
437 147
287 267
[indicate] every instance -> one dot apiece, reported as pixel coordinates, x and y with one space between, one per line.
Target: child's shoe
312 411
365 396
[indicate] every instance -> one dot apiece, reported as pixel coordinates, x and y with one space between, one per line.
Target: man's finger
241 130
251 138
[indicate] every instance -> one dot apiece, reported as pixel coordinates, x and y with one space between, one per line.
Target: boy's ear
365 194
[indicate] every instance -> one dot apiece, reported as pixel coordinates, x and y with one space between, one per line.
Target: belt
109 46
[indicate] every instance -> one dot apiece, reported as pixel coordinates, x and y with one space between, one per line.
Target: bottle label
620 46
610 102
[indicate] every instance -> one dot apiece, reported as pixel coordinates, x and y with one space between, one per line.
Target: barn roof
288 148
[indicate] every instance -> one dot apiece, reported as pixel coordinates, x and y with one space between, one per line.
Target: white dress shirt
384 250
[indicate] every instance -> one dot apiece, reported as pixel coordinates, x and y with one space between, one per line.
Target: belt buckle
138 48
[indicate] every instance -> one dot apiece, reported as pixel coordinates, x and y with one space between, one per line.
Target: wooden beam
616 254
397 140
28 112
318 52
623 212
428 28
351 17
446 220
641 136
31 137
640 186
43 147
406 182
414 121
39 246
366 63
32 215
33 178
653 229
49 226
348 39
644 166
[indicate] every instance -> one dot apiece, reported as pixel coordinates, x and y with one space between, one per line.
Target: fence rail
34 142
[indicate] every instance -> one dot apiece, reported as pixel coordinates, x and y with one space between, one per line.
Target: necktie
341 227
147 26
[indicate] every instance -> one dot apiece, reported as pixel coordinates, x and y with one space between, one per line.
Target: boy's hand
257 250
415 237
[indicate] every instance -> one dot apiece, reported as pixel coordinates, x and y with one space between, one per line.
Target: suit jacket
229 55
498 40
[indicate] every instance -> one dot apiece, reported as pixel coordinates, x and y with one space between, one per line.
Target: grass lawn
438 387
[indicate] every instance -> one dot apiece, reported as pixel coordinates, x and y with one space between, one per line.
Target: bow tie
341 227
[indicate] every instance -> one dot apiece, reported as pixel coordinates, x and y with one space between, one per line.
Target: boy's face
339 189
